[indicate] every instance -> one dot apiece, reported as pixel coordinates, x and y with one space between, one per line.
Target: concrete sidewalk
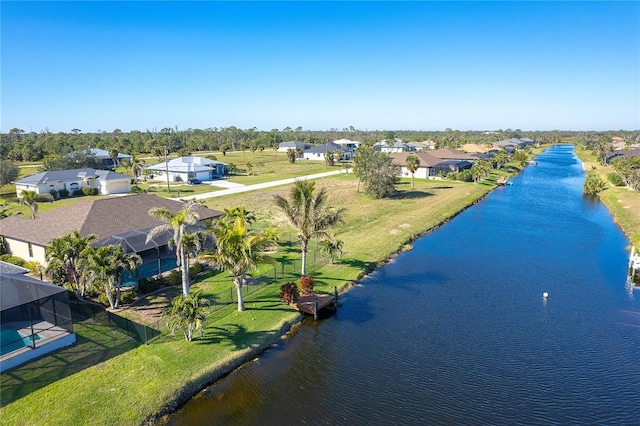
248 188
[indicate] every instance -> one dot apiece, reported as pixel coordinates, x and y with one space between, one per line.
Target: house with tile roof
187 168
106 181
118 220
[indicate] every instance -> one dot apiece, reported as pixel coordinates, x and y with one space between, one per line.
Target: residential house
396 146
105 157
286 146
348 143
117 220
186 168
629 153
432 163
319 152
106 181
420 146
35 317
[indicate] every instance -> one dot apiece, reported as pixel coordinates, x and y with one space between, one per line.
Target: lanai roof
69 175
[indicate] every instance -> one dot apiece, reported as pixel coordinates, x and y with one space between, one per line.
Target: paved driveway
246 188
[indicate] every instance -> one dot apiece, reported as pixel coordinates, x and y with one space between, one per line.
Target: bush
53 193
195 269
78 192
615 179
45 198
289 292
174 277
90 191
63 193
147 285
126 297
14 260
135 189
306 284
102 298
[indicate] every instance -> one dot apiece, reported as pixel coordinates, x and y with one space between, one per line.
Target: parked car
194 181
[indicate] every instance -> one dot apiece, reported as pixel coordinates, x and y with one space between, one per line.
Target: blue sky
320 65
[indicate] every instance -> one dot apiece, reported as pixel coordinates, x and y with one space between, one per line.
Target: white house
105 157
186 168
106 181
340 152
396 146
348 143
286 146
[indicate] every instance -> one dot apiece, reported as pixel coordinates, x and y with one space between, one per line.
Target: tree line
19 145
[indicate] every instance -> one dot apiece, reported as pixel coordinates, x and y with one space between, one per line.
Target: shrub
53 193
615 179
63 193
174 277
289 292
147 285
102 298
135 189
14 260
78 193
306 284
45 198
90 191
194 270
126 297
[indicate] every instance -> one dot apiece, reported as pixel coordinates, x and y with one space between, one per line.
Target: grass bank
622 202
134 384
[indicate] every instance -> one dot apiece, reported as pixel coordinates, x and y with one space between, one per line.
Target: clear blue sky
371 65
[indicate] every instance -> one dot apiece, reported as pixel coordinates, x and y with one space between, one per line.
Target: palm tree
307 213
239 212
108 264
291 155
177 223
412 163
64 256
238 250
186 313
30 199
137 168
332 247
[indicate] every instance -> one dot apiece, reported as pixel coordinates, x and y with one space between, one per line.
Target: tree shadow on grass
238 335
95 343
410 194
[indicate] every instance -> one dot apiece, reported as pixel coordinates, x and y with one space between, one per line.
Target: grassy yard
130 384
623 203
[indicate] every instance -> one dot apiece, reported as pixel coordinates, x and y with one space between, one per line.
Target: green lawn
132 386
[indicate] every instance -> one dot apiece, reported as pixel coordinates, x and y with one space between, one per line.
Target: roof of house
292 144
418 144
326 147
475 148
101 153
624 153
69 175
397 143
104 218
452 154
186 164
9 268
426 158
346 142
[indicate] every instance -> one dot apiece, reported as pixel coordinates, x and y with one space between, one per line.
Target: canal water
456 331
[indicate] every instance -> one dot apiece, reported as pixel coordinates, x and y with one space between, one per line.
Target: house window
30 246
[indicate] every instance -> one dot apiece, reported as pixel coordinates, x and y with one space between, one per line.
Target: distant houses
433 163
187 168
106 182
286 146
339 152
107 162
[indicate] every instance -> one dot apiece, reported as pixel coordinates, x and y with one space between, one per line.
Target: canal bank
457 331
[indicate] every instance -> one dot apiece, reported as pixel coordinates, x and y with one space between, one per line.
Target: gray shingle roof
104 218
69 175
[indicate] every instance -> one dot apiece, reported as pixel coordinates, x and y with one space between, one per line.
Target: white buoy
545 295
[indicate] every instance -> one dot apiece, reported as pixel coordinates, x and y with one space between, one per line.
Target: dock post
335 298
315 309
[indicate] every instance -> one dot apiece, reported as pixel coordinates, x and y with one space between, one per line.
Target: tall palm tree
177 223
239 212
64 255
30 199
137 167
187 313
412 163
107 265
308 213
238 250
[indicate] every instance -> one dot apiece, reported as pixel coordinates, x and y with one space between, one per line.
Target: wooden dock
313 303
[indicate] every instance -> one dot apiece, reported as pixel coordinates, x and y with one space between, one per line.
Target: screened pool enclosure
34 319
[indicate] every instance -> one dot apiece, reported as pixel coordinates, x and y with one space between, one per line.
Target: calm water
456 331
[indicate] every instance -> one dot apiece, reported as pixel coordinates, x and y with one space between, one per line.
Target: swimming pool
148 270
11 340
